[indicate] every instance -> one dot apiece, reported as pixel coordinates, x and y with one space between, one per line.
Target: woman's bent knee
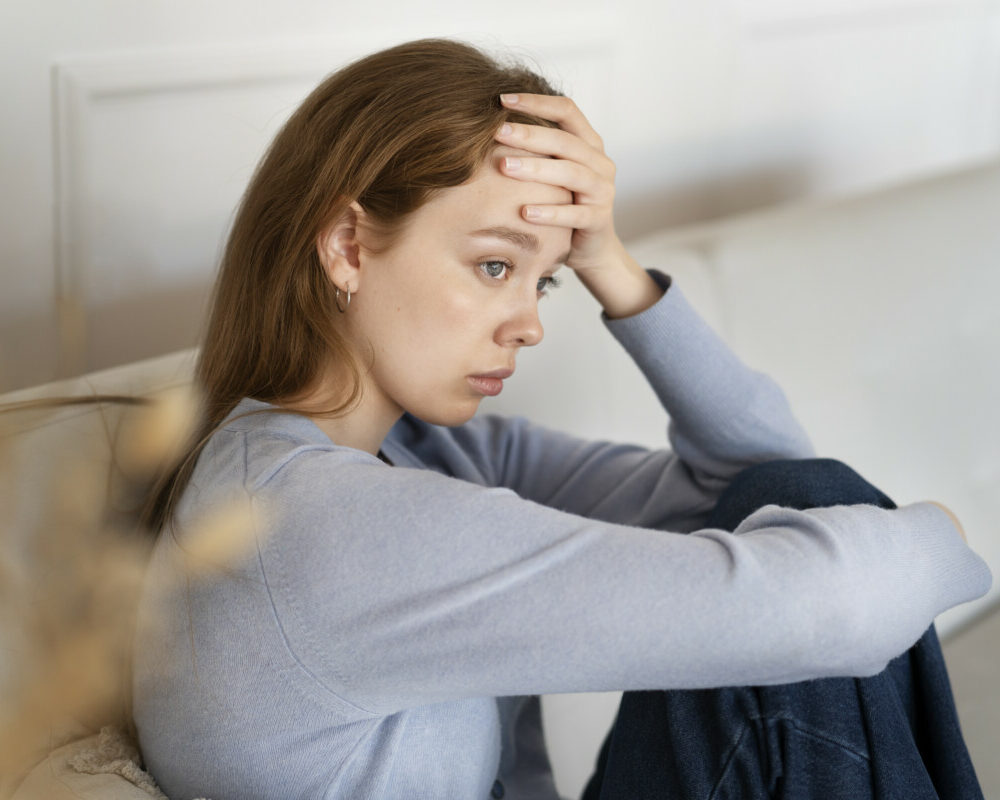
804 483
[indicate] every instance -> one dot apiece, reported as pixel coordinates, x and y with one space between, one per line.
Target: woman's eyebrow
520 239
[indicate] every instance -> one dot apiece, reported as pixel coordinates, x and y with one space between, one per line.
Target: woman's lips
490 384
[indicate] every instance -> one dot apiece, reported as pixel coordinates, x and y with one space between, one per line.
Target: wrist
621 285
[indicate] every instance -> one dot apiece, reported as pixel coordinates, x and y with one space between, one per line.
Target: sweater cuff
671 339
662 280
665 316
964 575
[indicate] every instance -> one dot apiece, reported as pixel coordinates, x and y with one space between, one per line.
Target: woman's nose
524 329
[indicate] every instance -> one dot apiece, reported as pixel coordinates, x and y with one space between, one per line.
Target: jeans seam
730 757
813 732
793 722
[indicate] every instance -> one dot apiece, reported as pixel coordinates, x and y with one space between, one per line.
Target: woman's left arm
724 416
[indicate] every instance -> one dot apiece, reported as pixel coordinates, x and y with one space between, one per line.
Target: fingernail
512 163
509 99
505 129
532 213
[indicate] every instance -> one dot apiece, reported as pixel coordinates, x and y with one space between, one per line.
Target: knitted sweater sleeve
405 587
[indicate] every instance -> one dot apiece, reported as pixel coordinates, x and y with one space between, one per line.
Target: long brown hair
386 131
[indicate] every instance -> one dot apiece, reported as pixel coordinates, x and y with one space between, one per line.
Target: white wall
130 128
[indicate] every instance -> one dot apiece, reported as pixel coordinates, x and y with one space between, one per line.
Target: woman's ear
338 249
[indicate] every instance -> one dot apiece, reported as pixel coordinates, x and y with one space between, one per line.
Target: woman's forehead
490 197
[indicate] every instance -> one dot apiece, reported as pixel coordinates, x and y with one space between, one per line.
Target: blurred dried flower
221 538
71 572
159 433
69 596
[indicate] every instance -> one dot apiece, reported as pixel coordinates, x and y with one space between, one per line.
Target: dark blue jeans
894 736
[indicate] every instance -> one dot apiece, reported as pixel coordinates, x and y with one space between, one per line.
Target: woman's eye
494 269
548 282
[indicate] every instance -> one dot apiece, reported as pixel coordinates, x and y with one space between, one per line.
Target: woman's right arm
399 587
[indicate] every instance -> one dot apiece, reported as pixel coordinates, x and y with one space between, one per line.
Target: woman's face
445 310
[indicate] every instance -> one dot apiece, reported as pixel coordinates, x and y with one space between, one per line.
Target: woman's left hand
578 163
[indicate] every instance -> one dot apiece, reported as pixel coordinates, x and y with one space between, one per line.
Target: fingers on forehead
559 109
556 108
550 106
550 141
559 143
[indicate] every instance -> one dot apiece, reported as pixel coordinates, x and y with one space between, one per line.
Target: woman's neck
363 426
356 429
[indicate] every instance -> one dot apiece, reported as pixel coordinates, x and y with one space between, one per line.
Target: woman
421 573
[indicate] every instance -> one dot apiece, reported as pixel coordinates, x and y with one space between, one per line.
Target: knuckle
596 185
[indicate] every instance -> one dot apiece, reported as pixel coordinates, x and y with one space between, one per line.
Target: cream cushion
103 767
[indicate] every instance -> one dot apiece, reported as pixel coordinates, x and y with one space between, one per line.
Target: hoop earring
336 298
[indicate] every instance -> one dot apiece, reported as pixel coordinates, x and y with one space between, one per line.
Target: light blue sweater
382 637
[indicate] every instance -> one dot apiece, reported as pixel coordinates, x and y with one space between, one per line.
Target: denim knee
804 483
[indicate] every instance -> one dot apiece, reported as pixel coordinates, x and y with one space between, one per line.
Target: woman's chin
450 417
